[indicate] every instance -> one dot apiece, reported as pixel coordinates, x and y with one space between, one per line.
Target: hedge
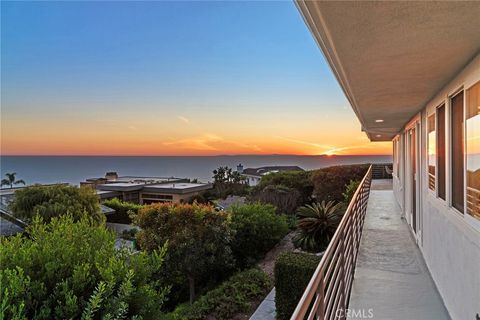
293 272
235 295
123 210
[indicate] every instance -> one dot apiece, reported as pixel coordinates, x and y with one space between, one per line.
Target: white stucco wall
449 243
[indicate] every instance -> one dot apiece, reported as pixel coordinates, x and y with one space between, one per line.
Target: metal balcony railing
329 289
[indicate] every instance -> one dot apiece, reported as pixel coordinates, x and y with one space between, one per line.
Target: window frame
445 170
472 221
450 151
435 188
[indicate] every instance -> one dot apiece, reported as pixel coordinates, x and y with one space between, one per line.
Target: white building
411 71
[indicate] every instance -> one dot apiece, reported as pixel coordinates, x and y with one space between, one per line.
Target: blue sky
216 65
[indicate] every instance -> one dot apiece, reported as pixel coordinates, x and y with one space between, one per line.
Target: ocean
73 169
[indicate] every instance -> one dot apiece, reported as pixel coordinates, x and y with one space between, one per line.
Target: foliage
257 229
350 189
124 211
56 200
198 237
317 224
284 199
228 182
234 295
71 270
11 180
198 198
297 180
329 183
293 272
129 234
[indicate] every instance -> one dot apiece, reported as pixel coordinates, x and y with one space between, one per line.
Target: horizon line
214 155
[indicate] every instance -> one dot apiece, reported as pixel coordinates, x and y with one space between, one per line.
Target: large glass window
441 151
472 128
431 152
457 194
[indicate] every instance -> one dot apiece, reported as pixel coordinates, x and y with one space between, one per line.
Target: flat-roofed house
146 193
411 72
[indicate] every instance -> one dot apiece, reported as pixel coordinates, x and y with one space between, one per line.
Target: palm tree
317 224
11 180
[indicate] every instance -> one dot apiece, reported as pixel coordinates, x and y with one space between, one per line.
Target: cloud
211 142
183 119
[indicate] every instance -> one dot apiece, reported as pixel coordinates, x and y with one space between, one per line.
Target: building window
472 128
441 151
431 152
457 152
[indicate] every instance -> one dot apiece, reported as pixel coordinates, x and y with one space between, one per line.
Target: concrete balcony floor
391 277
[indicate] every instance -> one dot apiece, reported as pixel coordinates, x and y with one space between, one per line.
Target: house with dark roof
254 175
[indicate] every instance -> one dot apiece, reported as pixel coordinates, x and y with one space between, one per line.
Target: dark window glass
457 152
441 151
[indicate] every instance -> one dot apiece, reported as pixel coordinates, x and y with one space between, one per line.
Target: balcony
372 267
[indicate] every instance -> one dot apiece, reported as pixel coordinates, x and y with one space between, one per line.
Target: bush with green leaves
234 295
329 183
316 225
124 211
257 229
300 181
198 238
55 200
284 199
293 272
72 270
350 189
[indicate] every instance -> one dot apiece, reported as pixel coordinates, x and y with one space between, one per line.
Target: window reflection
473 150
431 151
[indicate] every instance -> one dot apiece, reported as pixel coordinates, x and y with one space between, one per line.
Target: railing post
343 277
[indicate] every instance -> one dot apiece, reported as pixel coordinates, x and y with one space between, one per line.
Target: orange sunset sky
165 78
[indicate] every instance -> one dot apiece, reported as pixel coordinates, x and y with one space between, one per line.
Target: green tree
284 199
226 181
11 180
257 229
317 224
301 181
54 201
329 183
72 270
198 238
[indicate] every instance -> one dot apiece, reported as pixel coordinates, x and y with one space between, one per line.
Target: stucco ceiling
392 57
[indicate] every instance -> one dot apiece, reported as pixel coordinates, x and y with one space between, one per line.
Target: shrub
198 238
284 199
293 272
257 229
124 211
298 180
317 224
67 269
234 295
329 183
350 190
54 201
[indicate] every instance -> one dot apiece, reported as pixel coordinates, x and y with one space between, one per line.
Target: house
145 190
254 175
411 72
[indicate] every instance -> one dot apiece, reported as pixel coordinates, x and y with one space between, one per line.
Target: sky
169 78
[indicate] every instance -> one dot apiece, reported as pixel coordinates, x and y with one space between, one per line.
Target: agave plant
317 224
